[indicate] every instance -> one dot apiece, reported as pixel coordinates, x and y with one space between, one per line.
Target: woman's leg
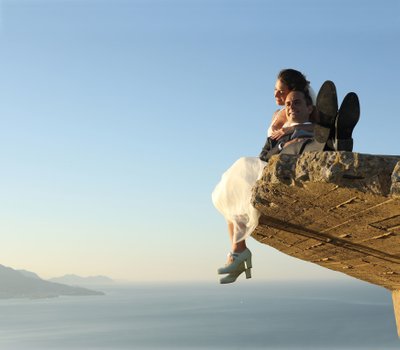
237 247
237 262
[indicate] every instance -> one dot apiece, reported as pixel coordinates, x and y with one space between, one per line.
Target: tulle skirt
232 196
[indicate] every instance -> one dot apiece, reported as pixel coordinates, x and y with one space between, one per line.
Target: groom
333 131
299 133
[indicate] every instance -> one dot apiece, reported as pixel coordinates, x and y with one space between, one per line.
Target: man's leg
348 116
327 106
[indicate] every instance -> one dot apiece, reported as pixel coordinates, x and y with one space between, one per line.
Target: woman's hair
307 97
293 79
296 81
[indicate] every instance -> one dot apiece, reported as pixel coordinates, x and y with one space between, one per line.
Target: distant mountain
29 274
26 284
74 280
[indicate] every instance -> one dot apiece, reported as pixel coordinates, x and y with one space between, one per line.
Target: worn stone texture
340 210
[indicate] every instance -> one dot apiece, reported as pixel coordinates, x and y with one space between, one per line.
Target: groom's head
298 107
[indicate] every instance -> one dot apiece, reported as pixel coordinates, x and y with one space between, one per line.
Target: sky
119 117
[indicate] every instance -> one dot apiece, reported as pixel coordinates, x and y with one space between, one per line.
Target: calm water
246 315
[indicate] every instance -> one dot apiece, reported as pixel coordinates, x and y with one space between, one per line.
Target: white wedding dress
232 195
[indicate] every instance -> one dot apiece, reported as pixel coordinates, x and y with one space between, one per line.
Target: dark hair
307 97
294 80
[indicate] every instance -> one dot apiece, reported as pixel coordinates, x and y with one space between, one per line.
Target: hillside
74 280
23 284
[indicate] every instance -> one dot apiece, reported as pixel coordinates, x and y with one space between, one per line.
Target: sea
280 315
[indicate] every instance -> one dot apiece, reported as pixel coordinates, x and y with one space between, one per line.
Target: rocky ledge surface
340 210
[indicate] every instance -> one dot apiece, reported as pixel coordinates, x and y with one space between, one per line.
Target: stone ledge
340 210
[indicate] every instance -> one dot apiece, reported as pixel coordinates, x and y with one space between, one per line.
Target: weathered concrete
340 210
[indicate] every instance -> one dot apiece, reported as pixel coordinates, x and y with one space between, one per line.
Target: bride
233 193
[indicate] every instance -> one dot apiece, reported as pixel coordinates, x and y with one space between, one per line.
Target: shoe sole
348 116
327 104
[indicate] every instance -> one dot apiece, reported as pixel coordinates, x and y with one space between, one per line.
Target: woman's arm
279 119
277 134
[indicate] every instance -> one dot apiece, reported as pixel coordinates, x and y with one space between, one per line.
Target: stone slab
340 210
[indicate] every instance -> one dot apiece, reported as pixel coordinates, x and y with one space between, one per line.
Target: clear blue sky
119 117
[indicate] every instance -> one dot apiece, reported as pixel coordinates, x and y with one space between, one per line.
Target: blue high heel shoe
241 262
232 277
237 259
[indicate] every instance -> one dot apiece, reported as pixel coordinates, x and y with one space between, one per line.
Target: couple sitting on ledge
298 127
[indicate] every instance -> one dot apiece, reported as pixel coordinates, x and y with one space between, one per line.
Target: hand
277 134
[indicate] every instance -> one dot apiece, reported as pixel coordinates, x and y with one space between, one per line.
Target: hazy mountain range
26 284
74 280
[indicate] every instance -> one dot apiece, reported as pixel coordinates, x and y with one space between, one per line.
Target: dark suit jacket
273 147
